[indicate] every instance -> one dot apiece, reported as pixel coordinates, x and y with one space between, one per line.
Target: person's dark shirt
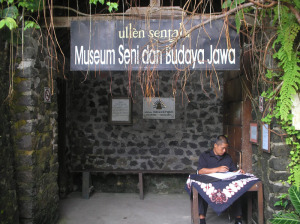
208 159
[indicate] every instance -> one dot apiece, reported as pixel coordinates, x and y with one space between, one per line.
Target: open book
225 175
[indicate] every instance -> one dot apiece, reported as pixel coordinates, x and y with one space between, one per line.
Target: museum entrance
132 112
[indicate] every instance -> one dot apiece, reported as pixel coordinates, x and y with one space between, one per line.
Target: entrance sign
118 45
158 108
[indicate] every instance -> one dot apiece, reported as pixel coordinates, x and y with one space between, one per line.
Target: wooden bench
86 177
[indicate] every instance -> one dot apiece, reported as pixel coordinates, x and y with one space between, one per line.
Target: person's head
221 145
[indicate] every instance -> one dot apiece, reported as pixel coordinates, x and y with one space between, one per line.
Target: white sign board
296 111
120 110
265 137
158 108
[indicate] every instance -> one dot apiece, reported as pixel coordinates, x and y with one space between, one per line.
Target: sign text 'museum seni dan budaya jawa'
118 45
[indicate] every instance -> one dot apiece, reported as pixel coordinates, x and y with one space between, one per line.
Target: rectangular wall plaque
158 108
120 110
253 132
265 138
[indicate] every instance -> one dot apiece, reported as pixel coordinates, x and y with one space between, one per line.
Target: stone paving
127 208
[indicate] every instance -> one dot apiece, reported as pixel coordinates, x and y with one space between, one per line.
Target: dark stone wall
271 168
35 132
147 144
8 195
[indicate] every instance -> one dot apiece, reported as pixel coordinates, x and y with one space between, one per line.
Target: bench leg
85 185
141 186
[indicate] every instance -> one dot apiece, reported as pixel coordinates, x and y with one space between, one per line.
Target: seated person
217 160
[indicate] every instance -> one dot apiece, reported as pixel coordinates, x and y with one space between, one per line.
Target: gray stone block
278 176
186 161
133 151
26 209
23 86
25 142
173 143
143 151
27 72
280 150
154 151
165 151
279 163
109 151
178 152
193 145
27 100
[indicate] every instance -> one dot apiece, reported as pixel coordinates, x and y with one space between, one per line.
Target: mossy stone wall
35 131
8 195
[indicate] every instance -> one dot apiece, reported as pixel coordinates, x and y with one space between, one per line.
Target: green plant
10 16
112 6
286 80
282 201
289 217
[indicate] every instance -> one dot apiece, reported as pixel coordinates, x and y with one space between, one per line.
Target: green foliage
8 16
282 201
31 5
297 174
288 61
280 100
10 13
9 22
96 1
31 24
8 1
112 6
232 4
290 217
239 16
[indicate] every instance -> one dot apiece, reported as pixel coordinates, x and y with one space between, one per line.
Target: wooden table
256 187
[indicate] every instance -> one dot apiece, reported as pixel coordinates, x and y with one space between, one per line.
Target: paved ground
124 208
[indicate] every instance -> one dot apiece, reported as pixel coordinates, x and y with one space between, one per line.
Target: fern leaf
295 197
238 17
286 218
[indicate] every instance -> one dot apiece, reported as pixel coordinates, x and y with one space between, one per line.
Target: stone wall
8 196
271 168
146 144
35 134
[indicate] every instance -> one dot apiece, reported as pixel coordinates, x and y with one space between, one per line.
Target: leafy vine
287 55
283 81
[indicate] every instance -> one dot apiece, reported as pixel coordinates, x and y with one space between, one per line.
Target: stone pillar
271 168
8 196
35 131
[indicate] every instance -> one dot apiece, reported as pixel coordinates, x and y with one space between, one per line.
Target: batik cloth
220 194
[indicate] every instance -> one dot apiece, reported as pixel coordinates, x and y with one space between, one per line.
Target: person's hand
241 171
222 169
